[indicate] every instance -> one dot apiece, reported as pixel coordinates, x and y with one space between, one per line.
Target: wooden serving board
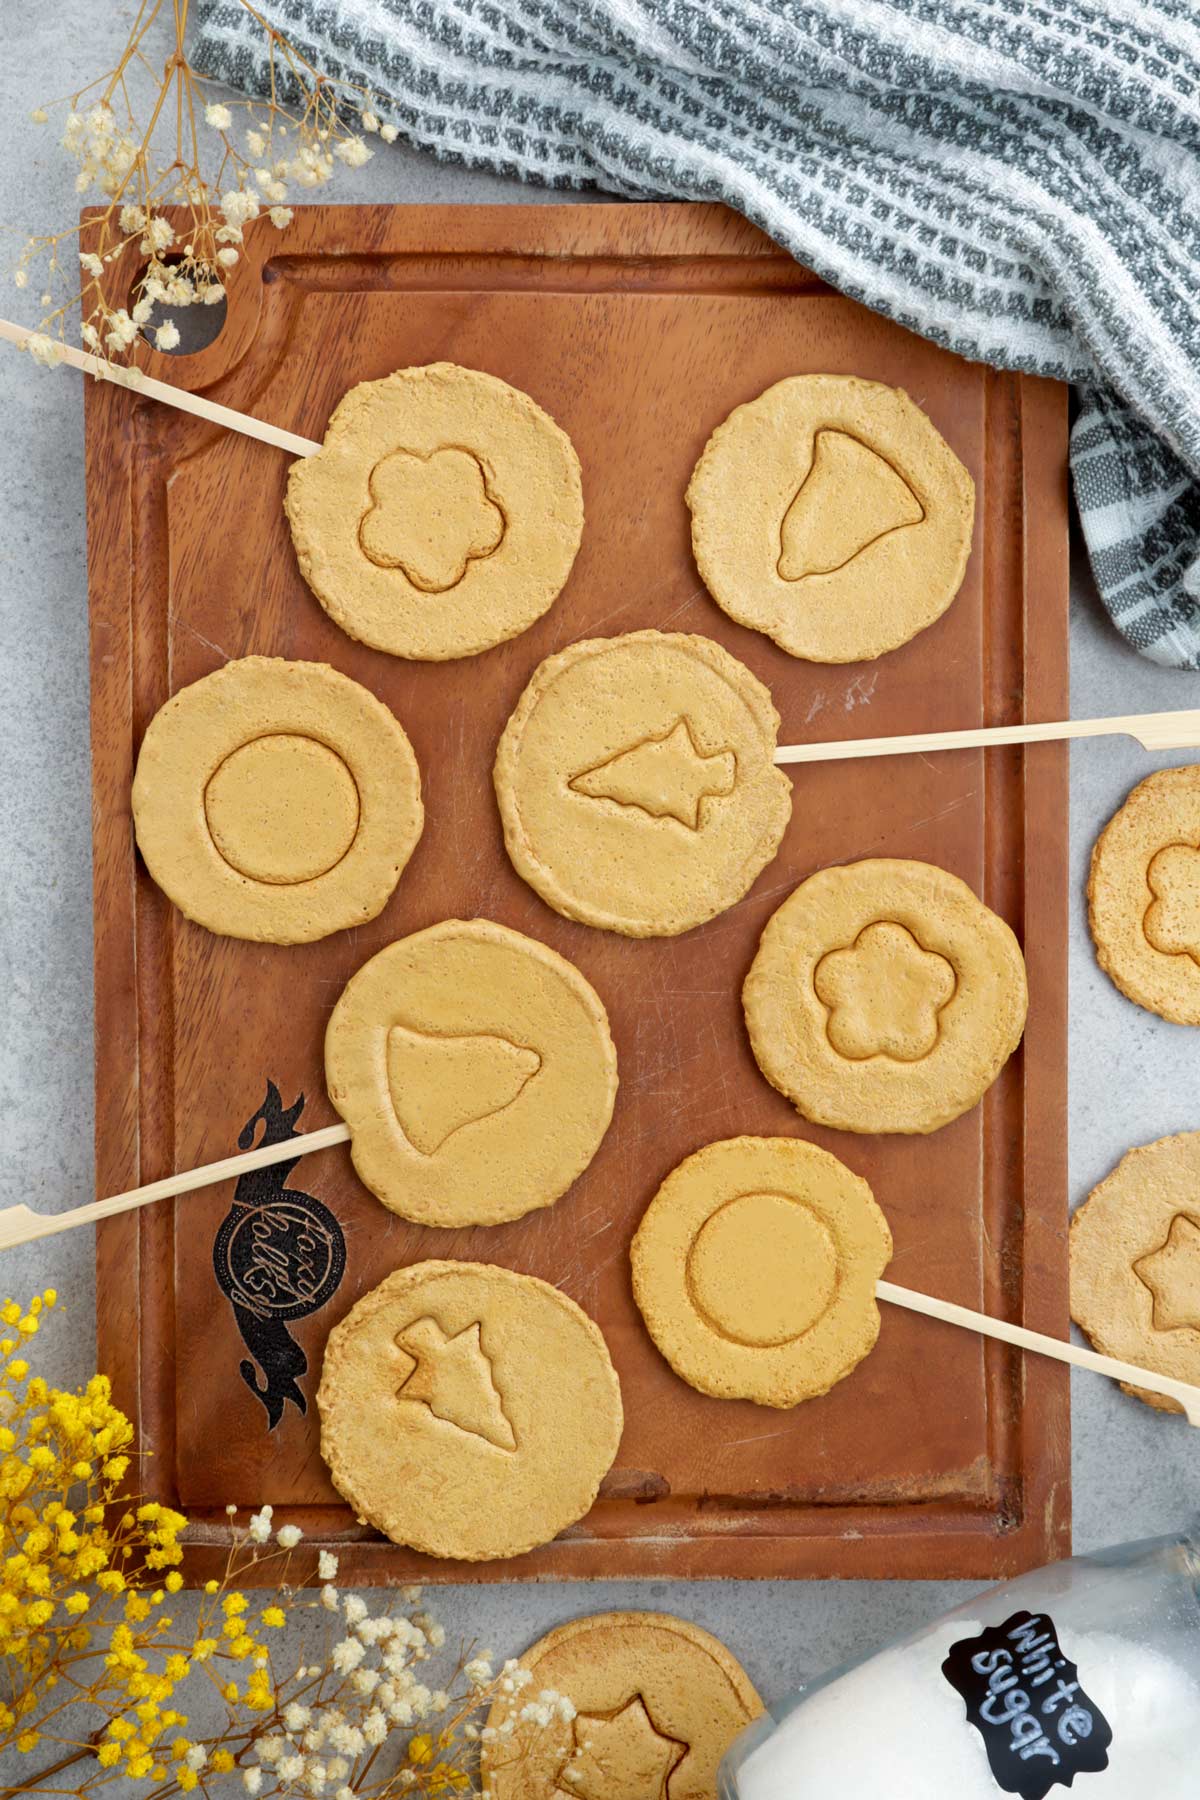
638 328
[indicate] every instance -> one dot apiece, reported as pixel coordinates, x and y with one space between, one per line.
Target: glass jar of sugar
1085 1673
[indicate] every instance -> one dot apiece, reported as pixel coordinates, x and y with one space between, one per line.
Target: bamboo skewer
21 1225
1153 731
179 398
1037 1341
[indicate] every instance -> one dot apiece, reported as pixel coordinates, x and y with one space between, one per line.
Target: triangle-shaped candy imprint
439 1083
850 497
453 1378
664 777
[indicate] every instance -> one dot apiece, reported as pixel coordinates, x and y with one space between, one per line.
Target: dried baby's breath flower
347 1655
353 152
43 349
138 145
259 1527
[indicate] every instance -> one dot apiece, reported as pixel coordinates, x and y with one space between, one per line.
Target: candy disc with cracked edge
276 801
637 785
476 1071
1144 895
885 996
658 1702
1135 1262
467 1410
441 515
830 514
755 1266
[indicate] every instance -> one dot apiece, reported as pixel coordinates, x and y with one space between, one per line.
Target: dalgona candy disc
637 785
441 515
755 1266
277 801
476 1071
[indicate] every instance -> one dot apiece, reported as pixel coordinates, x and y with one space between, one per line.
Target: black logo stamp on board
279 1255
1024 1698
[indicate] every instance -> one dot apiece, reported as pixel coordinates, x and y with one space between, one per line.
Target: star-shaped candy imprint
620 1756
884 994
1172 1273
430 516
1172 922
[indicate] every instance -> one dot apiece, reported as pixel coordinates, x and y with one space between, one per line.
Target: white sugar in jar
1083 1678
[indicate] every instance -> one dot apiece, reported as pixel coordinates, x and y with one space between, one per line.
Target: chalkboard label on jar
1024 1697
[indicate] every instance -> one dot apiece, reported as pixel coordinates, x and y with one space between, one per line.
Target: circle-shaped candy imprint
1135 1262
467 1410
831 515
476 1071
277 801
657 1704
755 1267
441 515
1144 895
884 997
637 785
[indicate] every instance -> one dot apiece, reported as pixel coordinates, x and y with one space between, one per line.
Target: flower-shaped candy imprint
755 1267
1135 1262
476 1071
441 515
277 801
637 785
831 514
884 997
1144 895
656 1702
467 1410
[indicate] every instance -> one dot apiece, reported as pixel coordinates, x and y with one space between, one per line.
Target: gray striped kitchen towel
1018 180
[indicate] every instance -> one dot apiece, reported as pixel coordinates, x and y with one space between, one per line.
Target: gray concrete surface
1133 1077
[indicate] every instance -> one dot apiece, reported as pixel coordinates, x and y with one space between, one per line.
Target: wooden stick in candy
1154 731
179 398
20 1225
1037 1341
